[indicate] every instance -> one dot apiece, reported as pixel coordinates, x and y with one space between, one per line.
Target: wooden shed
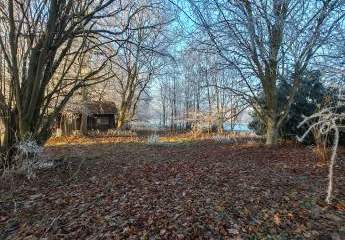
100 116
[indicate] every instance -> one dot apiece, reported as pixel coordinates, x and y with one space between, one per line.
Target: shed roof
91 107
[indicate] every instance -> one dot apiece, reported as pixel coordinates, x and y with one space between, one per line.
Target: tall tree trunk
271 113
9 141
121 119
83 124
24 124
271 132
220 123
84 114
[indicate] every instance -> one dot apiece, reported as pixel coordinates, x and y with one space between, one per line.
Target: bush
112 133
153 139
25 160
121 133
308 99
226 139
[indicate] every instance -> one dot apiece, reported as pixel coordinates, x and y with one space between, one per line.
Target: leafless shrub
153 139
226 139
327 121
26 159
95 133
121 133
237 138
112 133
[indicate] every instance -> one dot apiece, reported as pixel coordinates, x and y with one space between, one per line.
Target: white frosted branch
325 121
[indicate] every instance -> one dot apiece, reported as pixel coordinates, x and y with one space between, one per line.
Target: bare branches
51 49
266 42
327 121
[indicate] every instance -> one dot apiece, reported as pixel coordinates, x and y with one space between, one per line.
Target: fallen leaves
180 191
276 219
340 206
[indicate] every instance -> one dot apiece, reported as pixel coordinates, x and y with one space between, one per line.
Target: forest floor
126 189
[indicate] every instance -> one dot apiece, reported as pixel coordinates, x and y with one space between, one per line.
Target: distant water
239 127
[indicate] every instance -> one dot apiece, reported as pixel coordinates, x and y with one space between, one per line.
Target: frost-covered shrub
224 139
24 158
121 133
112 133
153 139
238 139
76 133
94 133
27 157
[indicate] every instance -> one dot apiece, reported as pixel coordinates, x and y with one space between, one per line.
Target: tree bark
83 124
7 149
121 119
220 124
271 132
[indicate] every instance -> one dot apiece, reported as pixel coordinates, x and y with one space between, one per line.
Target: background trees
139 61
266 43
195 93
226 56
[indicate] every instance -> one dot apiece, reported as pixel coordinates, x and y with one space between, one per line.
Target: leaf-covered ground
175 191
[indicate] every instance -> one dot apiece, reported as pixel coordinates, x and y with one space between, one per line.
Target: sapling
328 120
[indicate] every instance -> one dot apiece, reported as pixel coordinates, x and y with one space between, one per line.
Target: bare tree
41 42
138 60
193 93
266 42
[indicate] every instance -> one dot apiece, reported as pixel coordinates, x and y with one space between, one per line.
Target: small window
102 121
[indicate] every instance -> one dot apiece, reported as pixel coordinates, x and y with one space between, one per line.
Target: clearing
116 189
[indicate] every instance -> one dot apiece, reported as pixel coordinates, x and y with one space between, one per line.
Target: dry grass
240 138
322 154
85 140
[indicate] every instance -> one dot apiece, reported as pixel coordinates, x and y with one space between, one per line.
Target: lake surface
239 127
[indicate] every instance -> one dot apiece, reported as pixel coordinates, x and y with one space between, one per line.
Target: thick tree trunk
271 132
83 124
27 128
121 119
270 90
9 140
120 124
24 128
220 124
